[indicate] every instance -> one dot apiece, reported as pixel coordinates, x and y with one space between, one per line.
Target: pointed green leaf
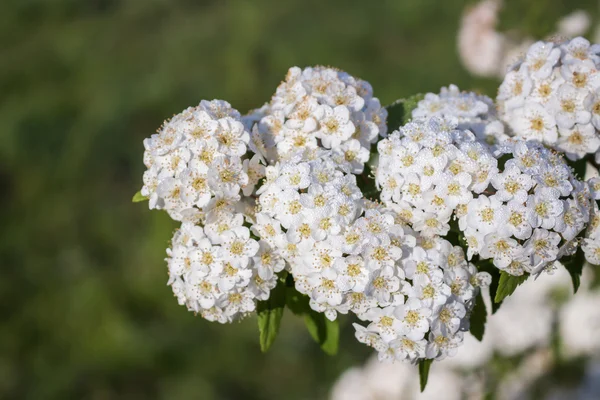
478 318
138 197
325 332
424 366
400 111
574 264
296 301
270 313
507 285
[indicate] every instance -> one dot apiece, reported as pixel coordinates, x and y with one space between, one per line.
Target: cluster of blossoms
553 96
197 163
198 167
520 333
473 112
320 108
534 216
350 255
523 217
428 311
278 190
429 170
218 271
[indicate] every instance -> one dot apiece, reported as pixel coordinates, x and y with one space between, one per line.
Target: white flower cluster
350 255
198 167
553 96
429 170
521 332
474 112
523 217
427 303
197 163
321 107
533 214
218 271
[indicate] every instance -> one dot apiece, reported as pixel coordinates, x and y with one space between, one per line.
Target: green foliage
366 180
579 167
270 313
574 264
478 318
138 197
424 366
507 285
325 332
400 111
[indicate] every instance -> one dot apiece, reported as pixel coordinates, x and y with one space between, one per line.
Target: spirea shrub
326 203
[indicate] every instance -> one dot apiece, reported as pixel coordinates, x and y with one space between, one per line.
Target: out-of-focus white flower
574 24
481 48
580 325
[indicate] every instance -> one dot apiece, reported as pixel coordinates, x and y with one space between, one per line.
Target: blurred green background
84 307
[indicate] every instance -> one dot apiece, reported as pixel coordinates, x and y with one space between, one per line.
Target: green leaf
579 167
366 182
574 264
424 365
325 332
138 197
297 302
270 313
488 266
478 318
400 111
507 285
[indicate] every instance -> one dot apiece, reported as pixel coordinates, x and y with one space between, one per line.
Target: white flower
232 137
515 88
591 249
448 317
501 249
512 184
578 141
237 302
486 214
571 222
238 247
517 223
352 273
267 261
325 288
582 74
542 247
414 318
546 207
533 122
383 283
541 58
568 106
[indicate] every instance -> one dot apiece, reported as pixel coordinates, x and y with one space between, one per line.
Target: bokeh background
84 307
